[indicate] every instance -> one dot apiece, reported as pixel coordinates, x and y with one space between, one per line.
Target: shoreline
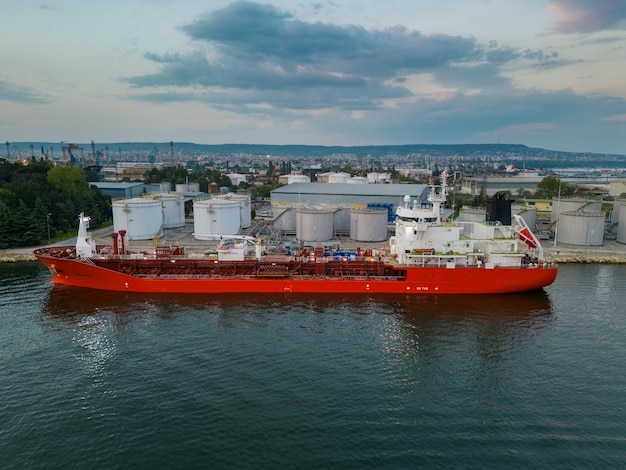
609 253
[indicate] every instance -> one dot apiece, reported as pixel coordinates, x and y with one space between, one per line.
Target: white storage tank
618 207
581 228
384 178
284 219
338 177
141 218
173 210
358 180
472 214
372 178
621 224
529 215
188 188
215 217
341 219
314 225
245 206
298 179
368 225
559 206
165 186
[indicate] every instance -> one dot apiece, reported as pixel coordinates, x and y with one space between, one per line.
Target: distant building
357 195
617 188
236 178
542 206
125 190
492 185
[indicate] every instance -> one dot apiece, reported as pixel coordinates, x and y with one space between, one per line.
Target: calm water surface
107 380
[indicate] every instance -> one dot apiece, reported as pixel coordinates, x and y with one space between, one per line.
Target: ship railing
344 277
434 260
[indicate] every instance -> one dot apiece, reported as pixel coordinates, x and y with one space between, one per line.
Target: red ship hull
376 277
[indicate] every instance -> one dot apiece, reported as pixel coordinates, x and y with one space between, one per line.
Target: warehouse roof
348 189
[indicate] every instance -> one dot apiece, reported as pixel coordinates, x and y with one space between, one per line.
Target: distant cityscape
466 159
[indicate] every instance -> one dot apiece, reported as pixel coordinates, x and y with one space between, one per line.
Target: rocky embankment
588 257
17 255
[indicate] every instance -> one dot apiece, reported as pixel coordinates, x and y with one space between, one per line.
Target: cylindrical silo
245 206
341 219
141 218
471 214
581 228
528 214
358 180
559 206
372 178
617 208
173 210
368 225
338 177
165 186
188 188
298 179
214 217
314 225
621 224
284 219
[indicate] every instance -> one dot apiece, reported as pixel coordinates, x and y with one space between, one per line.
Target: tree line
39 200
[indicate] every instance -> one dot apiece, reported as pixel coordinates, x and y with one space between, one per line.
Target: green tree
550 187
6 234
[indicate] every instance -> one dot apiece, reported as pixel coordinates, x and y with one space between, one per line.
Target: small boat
427 255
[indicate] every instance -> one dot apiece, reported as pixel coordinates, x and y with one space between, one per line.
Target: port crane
68 156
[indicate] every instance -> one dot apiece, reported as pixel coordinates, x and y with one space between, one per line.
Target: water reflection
72 304
413 339
480 338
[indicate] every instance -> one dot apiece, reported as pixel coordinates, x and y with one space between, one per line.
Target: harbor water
94 379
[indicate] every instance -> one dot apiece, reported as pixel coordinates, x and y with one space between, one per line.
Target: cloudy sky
544 73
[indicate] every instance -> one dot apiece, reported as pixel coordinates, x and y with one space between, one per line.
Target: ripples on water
97 379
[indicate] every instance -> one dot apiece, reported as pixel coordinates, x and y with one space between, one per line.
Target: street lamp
48 225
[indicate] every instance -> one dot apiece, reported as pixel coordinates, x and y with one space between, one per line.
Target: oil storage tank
245 206
284 219
314 225
529 214
341 219
338 177
215 217
298 179
559 206
142 219
618 207
173 210
368 225
188 187
581 228
621 224
471 214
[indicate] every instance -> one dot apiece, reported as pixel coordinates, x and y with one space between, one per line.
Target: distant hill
461 150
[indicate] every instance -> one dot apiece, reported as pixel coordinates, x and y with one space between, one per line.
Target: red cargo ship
427 255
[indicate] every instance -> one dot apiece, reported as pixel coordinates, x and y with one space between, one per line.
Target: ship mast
438 198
